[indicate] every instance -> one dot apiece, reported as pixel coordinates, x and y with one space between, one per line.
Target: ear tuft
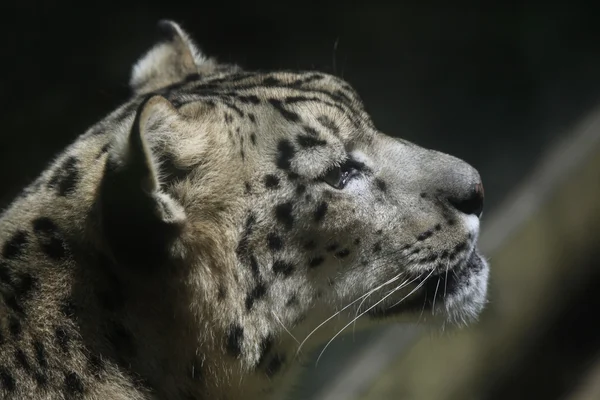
170 61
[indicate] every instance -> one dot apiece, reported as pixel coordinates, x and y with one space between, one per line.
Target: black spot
285 154
243 252
192 77
235 339
22 289
287 114
253 138
275 365
254 266
11 301
343 253
66 177
381 184
444 254
228 118
274 241
356 241
14 247
332 247
25 285
377 247
122 341
221 292
310 245
328 123
265 346
283 213
328 194
7 380
297 99
243 155
253 120
73 383
425 235
5 274
292 301
292 176
321 211
271 81
22 360
257 293
415 251
300 189
306 141
315 262
460 247
49 238
283 268
40 378
311 131
247 187
438 227
62 338
423 195
40 353
14 327
250 99
271 181
379 231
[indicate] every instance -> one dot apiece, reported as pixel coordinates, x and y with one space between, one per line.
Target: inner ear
139 221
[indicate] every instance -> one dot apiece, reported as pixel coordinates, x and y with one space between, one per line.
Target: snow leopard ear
140 222
173 59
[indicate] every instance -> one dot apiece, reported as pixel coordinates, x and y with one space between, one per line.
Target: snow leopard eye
338 176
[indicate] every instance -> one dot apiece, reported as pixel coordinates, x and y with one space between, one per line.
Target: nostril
471 204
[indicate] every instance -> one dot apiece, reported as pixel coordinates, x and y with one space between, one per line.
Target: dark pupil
337 176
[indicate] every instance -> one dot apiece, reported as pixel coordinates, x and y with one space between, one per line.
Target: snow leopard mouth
442 291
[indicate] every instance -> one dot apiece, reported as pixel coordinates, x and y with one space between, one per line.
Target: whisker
446 280
422 307
283 326
327 320
363 313
415 289
434 296
377 288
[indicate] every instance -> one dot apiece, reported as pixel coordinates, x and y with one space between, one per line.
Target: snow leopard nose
470 201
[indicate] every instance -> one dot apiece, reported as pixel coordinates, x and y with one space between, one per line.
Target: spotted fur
181 246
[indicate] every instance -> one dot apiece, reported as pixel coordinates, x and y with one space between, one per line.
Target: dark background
492 84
